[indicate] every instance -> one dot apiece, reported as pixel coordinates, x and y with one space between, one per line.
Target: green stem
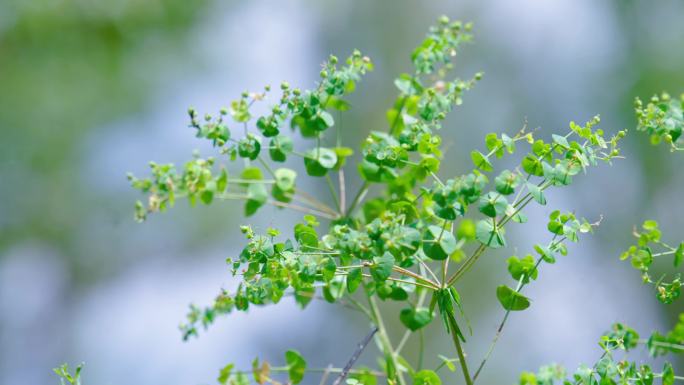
459 349
331 187
384 338
357 198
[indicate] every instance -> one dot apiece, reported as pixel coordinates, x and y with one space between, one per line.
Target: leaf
532 165
489 235
481 161
326 118
257 195
466 229
493 204
439 243
448 362
342 154
280 147
222 181
260 372
522 267
506 182
679 255
306 235
319 160
511 299
426 377
536 193
668 374
415 319
224 374
561 140
285 178
382 267
296 366
354 279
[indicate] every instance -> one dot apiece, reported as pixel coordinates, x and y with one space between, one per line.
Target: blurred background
90 90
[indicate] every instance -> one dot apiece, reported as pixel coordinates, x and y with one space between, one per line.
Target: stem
384 338
355 356
333 192
315 202
302 209
343 192
266 166
362 191
322 214
401 270
459 349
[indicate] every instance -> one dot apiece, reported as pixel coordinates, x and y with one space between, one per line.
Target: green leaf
561 140
439 243
296 366
222 181
522 268
285 178
354 279
481 161
426 377
448 362
642 259
668 374
342 154
382 267
319 161
493 204
224 374
536 193
532 165
466 230
506 182
511 299
257 195
415 319
679 255
306 235
326 118
280 147
490 235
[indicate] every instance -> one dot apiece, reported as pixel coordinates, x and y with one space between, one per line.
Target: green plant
411 239
68 378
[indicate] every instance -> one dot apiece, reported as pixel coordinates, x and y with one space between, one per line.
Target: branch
357 353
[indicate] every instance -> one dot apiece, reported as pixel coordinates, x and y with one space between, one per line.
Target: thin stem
302 209
427 268
401 270
231 196
331 187
359 195
421 348
343 192
355 356
459 349
384 338
315 202
266 166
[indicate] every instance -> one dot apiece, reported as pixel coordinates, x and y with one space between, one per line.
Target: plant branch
355 356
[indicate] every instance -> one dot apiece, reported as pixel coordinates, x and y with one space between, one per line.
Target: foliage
413 241
642 256
68 378
662 119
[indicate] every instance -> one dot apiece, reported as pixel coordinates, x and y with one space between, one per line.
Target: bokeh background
90 90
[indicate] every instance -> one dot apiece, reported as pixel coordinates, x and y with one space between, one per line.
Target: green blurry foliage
70 66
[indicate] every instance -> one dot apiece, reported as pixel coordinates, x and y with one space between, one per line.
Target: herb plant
417 234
